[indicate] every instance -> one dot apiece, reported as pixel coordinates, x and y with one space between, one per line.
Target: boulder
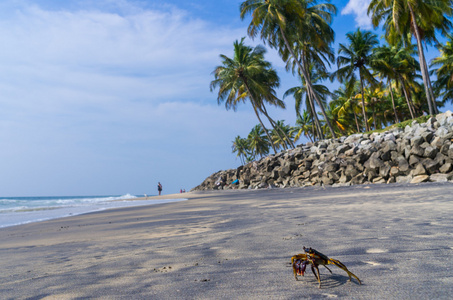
440 177
404 179
446 168
402 163
384 171
420 178
430 152
394 171
419 170
417 153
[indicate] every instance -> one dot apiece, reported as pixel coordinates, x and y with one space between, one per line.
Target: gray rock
430 152
440 177
379 180
394 171
417 150
353 139
403 165
431 165
359 179
445 118
384 171
419 170
416 140
447 167
420 152
404 179
420 178
442 132
413 160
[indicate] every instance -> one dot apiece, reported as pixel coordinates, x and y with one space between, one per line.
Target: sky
110 97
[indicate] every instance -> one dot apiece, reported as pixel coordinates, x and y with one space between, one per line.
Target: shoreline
33 214
238 243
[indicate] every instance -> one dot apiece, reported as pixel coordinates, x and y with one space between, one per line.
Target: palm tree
321 91
332 113
419 17
282 134
258 141
242 147
397 63
315 54
376 99
444 83
347 109
356 57
278 140
303 125
246 76
281 24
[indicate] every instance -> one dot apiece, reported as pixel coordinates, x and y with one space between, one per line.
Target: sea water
21 210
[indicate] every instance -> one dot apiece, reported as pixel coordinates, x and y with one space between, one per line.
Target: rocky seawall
416 153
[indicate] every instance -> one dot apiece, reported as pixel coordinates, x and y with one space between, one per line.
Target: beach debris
314 258
163 269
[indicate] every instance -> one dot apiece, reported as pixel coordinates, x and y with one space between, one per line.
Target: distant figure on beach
159 188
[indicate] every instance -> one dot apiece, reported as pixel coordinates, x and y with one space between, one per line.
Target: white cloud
109 99
359 9
99 101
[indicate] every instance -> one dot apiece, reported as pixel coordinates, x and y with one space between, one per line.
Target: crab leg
294 267
332 261
318 276
327 269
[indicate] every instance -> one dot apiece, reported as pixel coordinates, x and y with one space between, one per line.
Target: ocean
22 210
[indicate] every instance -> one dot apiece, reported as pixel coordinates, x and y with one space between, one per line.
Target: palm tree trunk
421 56
436 110
409 105
393 100
374 117
276 127
307 81
258 116
365 119
312 104
356 121
313 128
265 129
316 123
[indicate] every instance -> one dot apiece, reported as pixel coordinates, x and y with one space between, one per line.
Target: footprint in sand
376 250
373 263
330 295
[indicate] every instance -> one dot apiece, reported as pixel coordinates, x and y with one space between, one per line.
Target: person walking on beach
159 188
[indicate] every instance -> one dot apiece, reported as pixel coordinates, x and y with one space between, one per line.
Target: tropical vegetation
382 83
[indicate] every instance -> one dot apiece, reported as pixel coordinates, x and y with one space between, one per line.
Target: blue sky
111 96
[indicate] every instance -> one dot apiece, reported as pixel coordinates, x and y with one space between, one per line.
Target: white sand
398 239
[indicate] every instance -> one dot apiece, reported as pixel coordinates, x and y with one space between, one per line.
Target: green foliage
381 84
402 125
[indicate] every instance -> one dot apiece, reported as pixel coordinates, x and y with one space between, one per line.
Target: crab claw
301 266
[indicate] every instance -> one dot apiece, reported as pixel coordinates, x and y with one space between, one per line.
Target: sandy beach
398 239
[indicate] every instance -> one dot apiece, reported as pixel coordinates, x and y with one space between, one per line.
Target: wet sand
398 239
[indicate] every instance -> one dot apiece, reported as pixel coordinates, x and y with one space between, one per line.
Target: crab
315 258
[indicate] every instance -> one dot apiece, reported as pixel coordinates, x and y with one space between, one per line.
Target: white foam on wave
69 207
50 203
